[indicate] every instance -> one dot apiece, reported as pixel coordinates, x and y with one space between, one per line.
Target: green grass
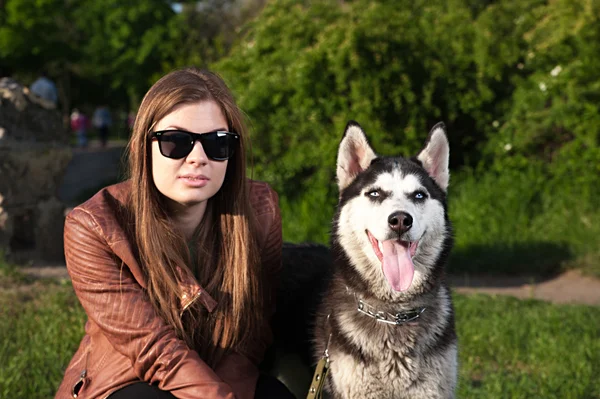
511 348
508 348
41 324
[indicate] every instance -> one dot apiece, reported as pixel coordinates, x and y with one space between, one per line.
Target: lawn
41 324
512 348
508 348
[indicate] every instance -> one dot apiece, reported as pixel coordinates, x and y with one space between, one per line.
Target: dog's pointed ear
354 154
436 155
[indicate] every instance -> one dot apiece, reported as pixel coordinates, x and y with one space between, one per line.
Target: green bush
557 97
306 68
515 82
525 216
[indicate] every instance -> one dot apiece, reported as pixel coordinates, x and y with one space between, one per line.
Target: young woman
176 268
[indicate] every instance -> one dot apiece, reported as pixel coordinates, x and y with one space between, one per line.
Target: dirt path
90 169
568 287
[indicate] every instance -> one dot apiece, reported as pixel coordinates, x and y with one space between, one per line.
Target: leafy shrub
528 216
515 82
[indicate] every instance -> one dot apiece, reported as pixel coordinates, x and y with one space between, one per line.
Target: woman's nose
197 155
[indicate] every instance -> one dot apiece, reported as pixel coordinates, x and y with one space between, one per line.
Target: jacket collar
190 291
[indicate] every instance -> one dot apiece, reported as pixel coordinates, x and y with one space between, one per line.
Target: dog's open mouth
396 259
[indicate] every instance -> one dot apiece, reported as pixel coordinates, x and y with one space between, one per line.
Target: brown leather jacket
125 340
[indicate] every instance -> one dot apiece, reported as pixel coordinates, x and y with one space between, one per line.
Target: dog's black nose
400 222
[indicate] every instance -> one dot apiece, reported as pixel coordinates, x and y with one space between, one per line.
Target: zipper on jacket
78 386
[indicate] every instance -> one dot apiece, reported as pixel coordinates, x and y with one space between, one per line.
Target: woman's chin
186 203
192 202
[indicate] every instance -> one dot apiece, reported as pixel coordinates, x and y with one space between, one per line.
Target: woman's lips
194 180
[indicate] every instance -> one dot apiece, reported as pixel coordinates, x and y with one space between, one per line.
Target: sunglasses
177 144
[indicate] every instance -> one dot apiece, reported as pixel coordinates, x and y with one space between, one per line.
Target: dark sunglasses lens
175 144
218 145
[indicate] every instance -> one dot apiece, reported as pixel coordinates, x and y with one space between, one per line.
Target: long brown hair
227 259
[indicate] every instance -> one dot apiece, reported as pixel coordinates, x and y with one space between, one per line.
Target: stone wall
34 154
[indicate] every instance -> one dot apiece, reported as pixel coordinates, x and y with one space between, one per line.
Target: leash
318 382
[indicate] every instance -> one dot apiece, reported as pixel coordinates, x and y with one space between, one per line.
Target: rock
5 227
30 175
48 230
34 154
23 117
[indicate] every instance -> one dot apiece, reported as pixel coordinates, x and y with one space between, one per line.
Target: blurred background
516 83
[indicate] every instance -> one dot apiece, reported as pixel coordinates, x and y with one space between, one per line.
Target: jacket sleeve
240 371
114 300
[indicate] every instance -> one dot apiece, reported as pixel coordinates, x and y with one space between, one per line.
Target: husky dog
386 320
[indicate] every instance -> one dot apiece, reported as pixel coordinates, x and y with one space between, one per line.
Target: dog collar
385 317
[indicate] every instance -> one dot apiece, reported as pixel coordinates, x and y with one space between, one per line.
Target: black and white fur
370 359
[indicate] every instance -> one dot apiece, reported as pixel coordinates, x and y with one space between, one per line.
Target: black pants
267 388
103 134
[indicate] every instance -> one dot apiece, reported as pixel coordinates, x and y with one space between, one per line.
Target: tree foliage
97 51
514 81
112 51
556 103
204 31
306 67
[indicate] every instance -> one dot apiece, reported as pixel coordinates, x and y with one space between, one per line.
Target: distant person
130 121
102 121
45 88
80 124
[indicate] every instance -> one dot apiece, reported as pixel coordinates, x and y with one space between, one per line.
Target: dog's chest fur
392 347
370 359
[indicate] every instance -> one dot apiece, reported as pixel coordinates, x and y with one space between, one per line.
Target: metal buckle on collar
409 316
388 318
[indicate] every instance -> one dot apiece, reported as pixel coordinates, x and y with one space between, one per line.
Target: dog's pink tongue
398 267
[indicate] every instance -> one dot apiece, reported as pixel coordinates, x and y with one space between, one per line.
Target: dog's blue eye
419 195
373 193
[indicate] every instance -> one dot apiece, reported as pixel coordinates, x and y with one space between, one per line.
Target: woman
176 267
